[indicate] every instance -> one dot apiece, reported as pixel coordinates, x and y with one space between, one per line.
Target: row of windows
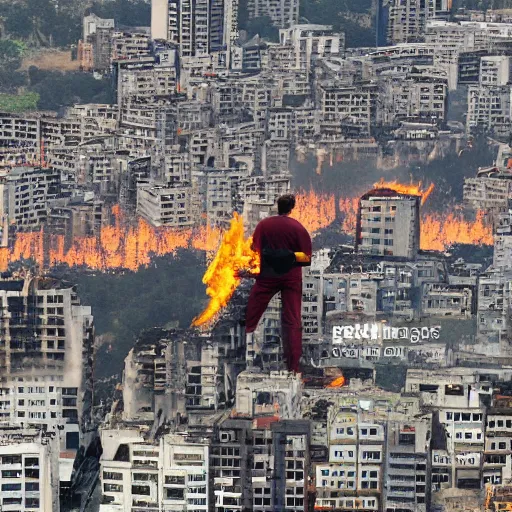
169 479
464 416
16 459
367 455
51 389
363 432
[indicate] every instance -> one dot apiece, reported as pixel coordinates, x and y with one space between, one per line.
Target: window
11 487
12 501
196 478
31 473
174 493
110 475
112 488
454 390
371 455
142 490
11 473
72 440
175 479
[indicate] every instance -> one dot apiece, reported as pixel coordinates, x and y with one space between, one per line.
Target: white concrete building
495 70
169 474
280 392
388 224
26 193
312 41
161 205
407 19
29 476
46 357
489 109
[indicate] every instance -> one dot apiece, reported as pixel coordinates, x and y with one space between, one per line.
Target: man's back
281 232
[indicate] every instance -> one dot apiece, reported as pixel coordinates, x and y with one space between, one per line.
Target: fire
127 246
314 211
338 382
119 246
410 189
348 207
439 231
221 277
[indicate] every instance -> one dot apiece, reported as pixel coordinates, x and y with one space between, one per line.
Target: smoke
354 178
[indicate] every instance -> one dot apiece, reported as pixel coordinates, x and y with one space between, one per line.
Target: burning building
388 223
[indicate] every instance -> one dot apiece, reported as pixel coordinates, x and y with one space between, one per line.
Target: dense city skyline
142 143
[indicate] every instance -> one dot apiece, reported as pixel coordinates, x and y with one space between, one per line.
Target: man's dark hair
285 204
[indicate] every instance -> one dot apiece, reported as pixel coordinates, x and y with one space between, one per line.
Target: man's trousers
291 325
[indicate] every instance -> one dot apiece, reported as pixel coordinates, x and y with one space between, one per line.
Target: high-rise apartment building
197 26
388 224
46 360
26 192
407 18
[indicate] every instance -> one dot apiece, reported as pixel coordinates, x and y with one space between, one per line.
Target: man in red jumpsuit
277 239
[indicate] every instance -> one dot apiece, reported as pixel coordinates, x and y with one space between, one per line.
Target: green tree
11 53
130 13
57 90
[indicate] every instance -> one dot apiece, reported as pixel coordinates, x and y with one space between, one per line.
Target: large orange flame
338 382
409 189
221 277
130 247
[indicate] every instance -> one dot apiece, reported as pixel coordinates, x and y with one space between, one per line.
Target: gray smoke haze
352 179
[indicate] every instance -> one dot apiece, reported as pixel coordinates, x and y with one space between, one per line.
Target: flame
234 254
439 231
314 211
128 246
338 382
119 246
410 189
